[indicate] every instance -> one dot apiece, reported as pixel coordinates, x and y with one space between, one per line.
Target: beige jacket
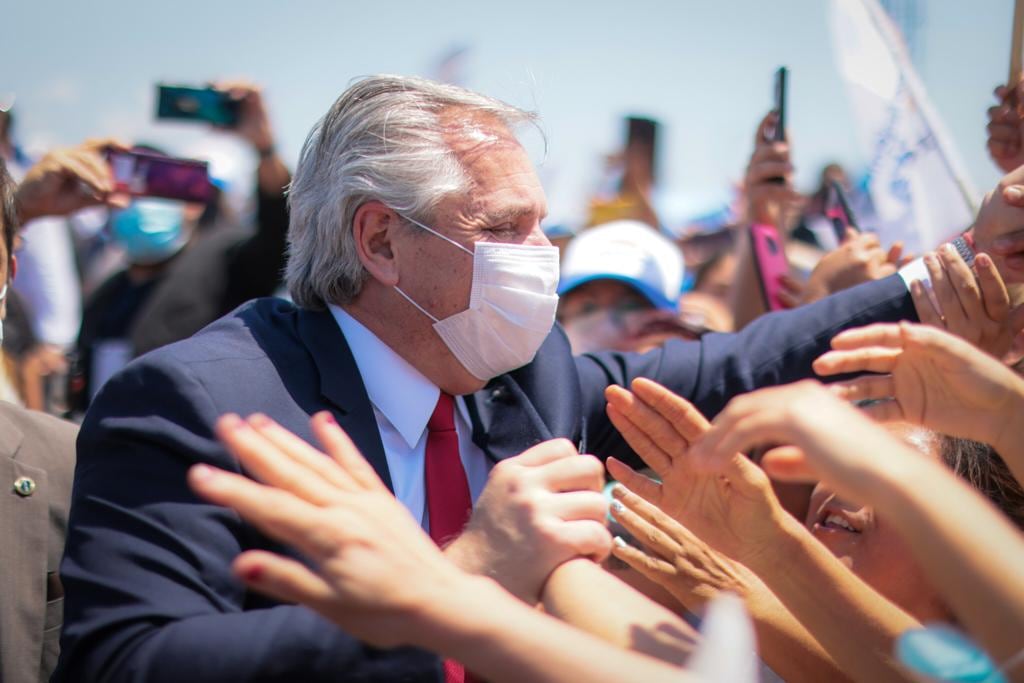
37 461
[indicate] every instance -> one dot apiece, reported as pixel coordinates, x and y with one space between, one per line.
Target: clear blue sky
704 68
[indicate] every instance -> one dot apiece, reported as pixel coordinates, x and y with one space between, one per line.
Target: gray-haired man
425 300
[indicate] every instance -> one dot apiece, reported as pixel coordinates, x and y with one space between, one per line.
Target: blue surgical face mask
149 230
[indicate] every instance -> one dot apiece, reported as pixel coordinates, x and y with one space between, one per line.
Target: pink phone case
770 261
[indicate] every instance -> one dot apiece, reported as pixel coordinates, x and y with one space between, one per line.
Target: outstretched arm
363 546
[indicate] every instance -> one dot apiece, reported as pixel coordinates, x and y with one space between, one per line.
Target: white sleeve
48 281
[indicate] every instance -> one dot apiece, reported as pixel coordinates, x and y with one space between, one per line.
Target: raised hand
860 258
932 378
822 437
769 201
1005 125
363 544
673 557
253 122
66 180
974 305
730 506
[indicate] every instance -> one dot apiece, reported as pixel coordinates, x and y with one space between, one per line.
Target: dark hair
8 211
981 467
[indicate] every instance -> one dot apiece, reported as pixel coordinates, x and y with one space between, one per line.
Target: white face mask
512 307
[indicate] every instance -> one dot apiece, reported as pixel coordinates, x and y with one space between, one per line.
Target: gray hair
381 140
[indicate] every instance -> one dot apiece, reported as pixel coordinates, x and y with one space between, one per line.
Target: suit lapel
24 525
342 386
505 421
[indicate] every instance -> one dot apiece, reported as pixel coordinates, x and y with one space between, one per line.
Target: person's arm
147 568
255 265
731 506
584 595
66 180
497 636
694 574
972 558
363 546
767 201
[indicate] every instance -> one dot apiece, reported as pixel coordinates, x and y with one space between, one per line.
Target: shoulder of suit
241 333
47 441
35 422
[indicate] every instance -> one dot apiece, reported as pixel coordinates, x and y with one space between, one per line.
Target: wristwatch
964 246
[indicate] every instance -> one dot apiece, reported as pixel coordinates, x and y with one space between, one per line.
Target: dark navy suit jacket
149 591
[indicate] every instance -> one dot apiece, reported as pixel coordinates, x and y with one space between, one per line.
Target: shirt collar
397 389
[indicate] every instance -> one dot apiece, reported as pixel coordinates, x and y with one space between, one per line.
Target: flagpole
895 44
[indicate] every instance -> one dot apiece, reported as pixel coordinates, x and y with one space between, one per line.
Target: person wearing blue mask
37 451
182 273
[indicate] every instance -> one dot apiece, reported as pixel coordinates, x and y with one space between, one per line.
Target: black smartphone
151 175
837 209
781 79
185 103
642 141
779 134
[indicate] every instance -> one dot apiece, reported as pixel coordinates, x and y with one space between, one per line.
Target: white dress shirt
403 401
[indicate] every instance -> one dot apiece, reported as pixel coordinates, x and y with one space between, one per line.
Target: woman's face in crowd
871 547
608 314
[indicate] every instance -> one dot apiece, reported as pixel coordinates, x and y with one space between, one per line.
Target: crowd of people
386 424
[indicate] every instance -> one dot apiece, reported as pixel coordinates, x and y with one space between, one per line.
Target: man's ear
373 228
12 268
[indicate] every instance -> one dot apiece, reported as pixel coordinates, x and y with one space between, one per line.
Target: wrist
22 210
265 150
459 618
465 553
773 545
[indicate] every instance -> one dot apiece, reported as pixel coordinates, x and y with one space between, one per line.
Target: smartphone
770 261
779 134
837 209
642 142
186 103
152 175
781 78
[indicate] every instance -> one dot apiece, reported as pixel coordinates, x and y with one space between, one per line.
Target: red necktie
449 503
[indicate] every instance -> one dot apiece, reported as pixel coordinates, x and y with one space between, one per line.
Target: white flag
916 181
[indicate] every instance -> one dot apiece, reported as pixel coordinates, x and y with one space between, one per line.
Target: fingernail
620 542
618 489
329 418
259 420
253 573
230 421
202 472
617 506
1014 193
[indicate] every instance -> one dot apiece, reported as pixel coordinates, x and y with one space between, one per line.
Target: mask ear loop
418 307
435 233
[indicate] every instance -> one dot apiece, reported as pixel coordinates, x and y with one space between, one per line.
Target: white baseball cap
630 252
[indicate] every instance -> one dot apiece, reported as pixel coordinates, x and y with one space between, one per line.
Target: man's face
505 203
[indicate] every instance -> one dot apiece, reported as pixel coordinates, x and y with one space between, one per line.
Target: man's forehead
470 132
